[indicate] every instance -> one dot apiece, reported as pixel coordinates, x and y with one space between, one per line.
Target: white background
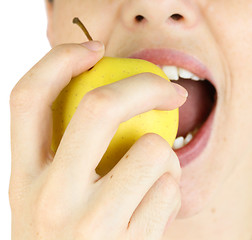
23 42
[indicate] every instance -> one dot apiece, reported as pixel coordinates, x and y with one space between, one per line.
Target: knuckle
156 146
48 213
159 155
17 191
21 99
99 102
12 197
154 156
64 51
126 184
83 232
155 79
86 228
150 75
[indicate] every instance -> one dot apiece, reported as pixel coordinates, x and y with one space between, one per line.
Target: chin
193 203
200 183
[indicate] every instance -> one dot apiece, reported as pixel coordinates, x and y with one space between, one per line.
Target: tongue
198 105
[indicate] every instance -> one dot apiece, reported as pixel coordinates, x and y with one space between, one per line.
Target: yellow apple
106 71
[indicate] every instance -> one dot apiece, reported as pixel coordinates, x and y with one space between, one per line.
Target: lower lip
194 148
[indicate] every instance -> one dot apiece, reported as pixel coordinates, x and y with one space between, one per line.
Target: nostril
139 18
176 17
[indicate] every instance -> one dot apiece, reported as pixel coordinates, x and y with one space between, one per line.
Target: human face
212 39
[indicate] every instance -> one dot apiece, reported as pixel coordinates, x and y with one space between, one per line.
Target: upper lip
171 57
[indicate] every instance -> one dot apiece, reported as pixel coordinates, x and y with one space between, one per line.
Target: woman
199 189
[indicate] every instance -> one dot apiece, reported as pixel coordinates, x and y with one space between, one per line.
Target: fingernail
93 45
180 90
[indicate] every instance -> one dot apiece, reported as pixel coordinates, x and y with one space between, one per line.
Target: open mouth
196 115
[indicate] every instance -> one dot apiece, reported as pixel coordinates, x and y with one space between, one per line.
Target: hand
61 196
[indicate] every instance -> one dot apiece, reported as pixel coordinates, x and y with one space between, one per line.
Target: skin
209 199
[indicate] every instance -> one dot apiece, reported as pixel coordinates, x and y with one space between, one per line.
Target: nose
156 13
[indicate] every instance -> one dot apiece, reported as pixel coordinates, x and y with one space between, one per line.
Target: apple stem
81 25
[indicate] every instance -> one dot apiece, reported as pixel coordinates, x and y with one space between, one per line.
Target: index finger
32 97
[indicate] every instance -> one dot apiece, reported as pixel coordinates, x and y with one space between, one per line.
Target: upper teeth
174 73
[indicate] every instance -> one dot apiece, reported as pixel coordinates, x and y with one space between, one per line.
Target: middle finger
98 117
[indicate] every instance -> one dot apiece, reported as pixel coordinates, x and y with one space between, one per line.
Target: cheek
63 30
91 13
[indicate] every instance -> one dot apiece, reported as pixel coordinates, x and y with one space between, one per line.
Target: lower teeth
181 141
